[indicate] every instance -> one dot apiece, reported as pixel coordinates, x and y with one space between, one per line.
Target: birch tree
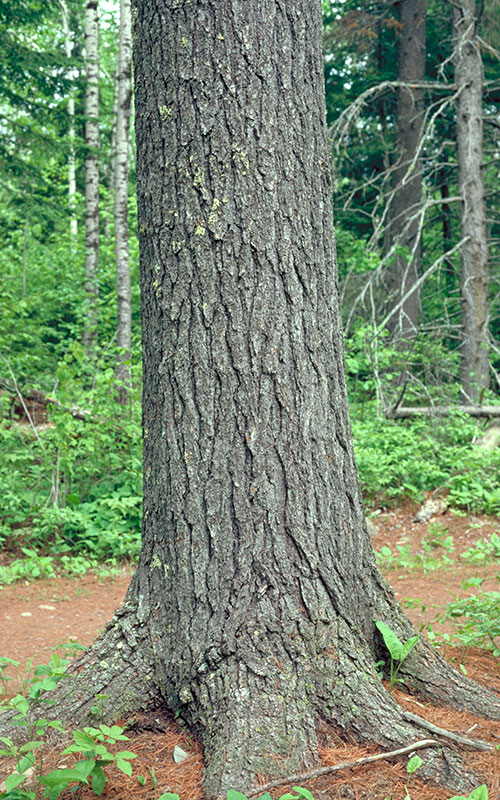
68 48
124 93
91 177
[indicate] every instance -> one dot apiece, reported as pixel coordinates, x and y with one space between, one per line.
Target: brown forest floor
35 617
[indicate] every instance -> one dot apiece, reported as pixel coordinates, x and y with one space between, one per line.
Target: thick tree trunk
91 177
68 49
252 609
405 214
124 307
474 252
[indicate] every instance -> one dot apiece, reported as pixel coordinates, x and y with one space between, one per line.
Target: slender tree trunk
251 612
474 254
124 308
68 47
446 217
25 254
405 217
91 178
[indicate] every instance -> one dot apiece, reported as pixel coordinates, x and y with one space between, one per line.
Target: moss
165 112
155 562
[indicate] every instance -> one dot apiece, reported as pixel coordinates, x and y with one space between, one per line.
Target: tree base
255 721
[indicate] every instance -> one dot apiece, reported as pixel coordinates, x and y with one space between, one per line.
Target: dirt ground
36 617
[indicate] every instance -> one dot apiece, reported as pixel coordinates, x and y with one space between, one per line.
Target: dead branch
44 400
403 412
316 773
476 744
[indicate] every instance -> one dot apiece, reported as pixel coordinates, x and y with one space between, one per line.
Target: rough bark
251 611
124 307
405 216
68 49
91 177
474 253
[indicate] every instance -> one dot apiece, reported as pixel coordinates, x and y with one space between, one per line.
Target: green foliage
300 792
427 559
483 550
412 456
479 793
91 742
481 619
73 488
398 650
413 764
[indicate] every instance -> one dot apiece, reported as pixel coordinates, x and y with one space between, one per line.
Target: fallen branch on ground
439 411
316 773
477 744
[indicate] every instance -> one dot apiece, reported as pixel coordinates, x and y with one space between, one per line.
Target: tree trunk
124 308
68 48
446 222
251 613
405 214
91 178
474 252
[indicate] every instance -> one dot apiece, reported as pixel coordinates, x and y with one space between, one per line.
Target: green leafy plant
479 793
413 764
91 743
398 650
483 550
403 558
300 792
481 625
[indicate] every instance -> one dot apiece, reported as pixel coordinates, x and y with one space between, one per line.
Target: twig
402 412
316 773
21 400
477 744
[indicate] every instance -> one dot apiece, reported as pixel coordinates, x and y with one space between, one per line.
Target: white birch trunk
474 253
124 312
68 47
91 177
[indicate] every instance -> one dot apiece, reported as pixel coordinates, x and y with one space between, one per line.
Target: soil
36 617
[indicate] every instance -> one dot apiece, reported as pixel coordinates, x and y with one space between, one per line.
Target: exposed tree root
115 674
257 714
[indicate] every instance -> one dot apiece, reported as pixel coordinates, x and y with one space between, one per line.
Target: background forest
413 101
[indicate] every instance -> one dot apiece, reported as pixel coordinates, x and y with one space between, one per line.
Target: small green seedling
232 795
413 764
479 793
91 743
398 650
